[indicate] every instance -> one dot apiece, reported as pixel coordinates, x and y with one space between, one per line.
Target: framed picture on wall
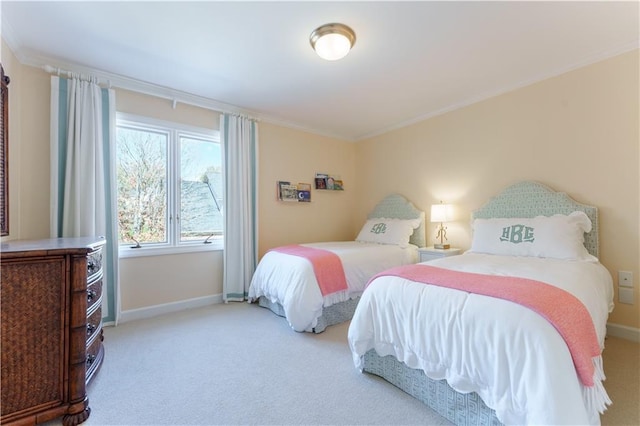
286 191
321 181
304 192
329 182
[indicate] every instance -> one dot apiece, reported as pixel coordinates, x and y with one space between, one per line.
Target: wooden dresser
50 304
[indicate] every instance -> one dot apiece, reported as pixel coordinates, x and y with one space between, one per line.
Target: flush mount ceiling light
332 41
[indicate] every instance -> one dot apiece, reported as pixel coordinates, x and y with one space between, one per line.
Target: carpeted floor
622 368
241 364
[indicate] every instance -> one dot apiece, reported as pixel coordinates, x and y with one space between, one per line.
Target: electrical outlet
625 279
625 295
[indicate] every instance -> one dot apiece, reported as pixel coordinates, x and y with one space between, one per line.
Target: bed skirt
331 315
458 408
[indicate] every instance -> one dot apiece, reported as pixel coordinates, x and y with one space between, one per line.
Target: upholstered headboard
531 199
395 206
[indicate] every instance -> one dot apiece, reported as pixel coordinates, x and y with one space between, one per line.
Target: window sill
126 251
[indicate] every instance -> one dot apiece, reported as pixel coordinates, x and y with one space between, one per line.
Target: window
169 186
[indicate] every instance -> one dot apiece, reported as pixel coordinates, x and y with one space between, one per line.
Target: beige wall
295 156
28 149
158 280
12 68
162 109
155 280
577 133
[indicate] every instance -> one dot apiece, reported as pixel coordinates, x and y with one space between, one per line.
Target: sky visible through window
157 205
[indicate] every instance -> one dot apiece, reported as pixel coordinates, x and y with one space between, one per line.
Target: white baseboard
616 330
624 332
166 308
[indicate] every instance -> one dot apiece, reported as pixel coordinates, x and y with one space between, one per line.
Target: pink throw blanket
327 267
562 309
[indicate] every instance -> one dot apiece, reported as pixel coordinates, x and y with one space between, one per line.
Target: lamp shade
332 41
440 212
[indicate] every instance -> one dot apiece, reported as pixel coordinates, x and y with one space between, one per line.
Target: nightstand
430 253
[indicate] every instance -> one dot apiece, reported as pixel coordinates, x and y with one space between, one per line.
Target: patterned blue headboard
395 206
531 199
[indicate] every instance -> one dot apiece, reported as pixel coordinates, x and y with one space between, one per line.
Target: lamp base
442 246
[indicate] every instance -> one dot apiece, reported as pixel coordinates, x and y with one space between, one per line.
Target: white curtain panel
240 152
83 179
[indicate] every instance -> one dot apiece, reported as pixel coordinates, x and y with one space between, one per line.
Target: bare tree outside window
169 185
142 190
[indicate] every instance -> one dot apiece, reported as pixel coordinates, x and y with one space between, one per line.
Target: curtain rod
150 89
70 74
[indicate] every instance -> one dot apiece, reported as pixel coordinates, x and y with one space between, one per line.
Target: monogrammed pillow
388 231
558 236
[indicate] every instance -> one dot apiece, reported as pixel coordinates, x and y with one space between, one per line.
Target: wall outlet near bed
625 295
625 279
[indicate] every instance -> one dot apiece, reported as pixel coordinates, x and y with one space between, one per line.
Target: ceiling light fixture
332 41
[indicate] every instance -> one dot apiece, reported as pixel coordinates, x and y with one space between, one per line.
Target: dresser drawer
94 326
95 354
94 296
94 265
51 329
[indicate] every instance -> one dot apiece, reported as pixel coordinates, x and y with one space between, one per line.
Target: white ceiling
411 60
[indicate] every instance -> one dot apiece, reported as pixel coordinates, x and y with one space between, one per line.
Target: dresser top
71 245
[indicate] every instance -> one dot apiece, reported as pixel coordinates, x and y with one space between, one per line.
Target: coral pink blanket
563 310
326 265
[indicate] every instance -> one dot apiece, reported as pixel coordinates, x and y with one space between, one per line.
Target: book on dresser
51 309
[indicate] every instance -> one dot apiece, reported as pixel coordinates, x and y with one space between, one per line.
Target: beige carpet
622 368
241 364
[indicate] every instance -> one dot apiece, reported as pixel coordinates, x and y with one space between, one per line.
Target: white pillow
388 231
558 236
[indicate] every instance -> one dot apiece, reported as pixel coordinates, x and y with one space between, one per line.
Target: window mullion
189 185
174 186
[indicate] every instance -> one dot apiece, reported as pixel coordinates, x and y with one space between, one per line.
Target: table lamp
441 213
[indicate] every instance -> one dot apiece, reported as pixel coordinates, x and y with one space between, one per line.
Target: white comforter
290 281
511 356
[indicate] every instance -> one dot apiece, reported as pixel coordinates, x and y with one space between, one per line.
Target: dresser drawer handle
91 294
90 360
90 329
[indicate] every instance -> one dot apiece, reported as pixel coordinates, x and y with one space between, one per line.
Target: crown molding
592 59
175 96
126 83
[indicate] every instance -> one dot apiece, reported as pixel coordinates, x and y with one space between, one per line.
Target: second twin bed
510 332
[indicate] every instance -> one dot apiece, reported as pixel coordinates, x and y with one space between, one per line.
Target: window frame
174 132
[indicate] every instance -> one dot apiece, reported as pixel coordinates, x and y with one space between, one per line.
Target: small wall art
329 182
289 192
304 192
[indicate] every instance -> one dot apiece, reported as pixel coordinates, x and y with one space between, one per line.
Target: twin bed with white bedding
509 332
287 282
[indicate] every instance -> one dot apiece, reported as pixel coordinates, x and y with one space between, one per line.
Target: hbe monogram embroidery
379 228
517 234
